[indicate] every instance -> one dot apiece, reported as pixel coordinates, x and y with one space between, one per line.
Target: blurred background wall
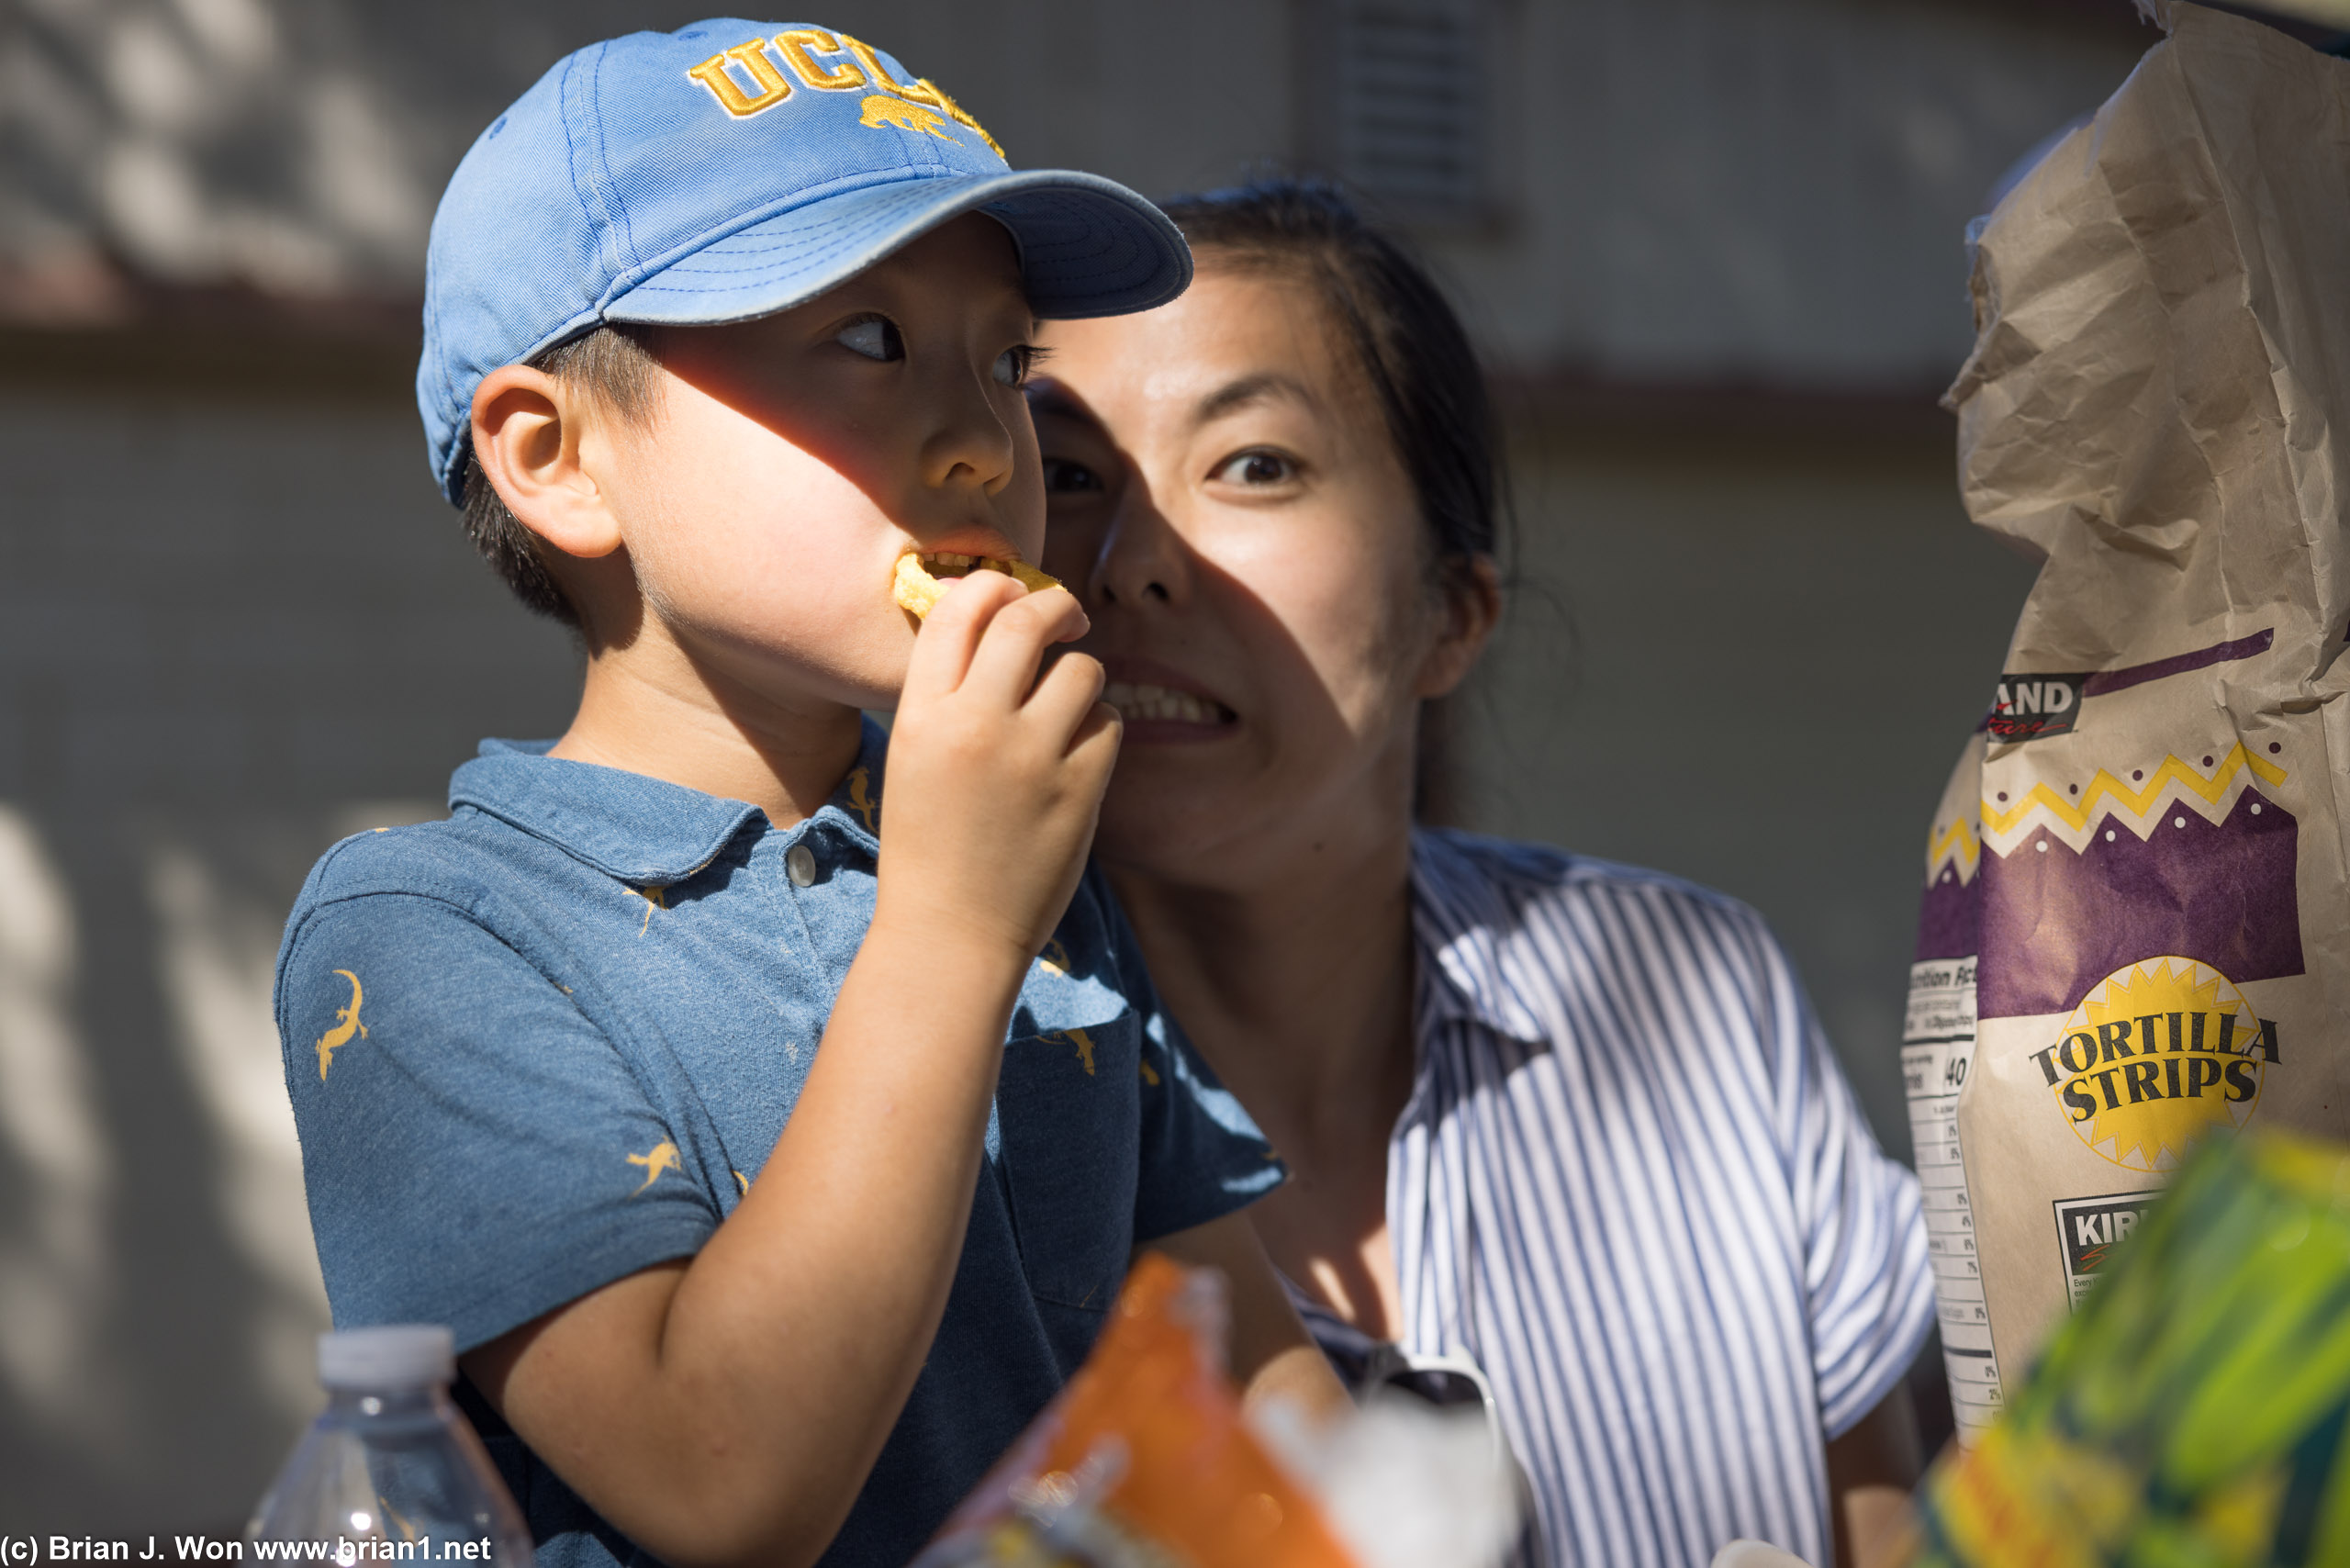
1712 247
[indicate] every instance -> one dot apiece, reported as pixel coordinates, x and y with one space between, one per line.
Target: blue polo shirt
549 1041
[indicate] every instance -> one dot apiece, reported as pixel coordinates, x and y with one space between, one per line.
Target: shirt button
800 864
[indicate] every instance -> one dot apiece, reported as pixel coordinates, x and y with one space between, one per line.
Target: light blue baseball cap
725 171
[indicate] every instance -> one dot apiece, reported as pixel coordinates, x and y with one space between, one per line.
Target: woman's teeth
1134 700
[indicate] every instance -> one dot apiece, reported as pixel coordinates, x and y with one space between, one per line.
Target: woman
1569 1121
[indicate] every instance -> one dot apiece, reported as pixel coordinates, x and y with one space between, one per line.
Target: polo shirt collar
644 831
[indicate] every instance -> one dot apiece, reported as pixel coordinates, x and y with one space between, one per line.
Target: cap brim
1087 247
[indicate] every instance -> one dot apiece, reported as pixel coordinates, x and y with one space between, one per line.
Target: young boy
772 1172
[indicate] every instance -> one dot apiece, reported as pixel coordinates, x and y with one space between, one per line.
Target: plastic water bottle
390 1471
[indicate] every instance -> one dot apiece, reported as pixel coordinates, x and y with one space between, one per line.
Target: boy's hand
995 777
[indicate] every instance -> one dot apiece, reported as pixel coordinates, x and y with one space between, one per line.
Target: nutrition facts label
1937 1044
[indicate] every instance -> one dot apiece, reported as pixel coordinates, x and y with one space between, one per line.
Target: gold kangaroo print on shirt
655 897
861 801
1054 959
1081 1040
346 1025
662 1155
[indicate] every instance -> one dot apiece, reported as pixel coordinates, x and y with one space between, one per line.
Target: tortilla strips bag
2135 927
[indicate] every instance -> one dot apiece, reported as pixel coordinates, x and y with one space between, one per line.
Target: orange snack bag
1145 1457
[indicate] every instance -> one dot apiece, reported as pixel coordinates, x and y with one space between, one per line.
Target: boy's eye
1063 477
1012 365
874 337
1255 468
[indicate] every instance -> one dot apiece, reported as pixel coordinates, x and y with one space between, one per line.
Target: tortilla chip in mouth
921 579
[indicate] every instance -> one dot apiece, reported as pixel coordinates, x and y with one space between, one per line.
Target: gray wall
1749 658
1684 190
232 629
1710 191
236 623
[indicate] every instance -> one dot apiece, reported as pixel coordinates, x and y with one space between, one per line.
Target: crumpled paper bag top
2162 316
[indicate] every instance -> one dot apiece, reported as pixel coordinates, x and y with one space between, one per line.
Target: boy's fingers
951 633
1068 690
1095 750
1013 643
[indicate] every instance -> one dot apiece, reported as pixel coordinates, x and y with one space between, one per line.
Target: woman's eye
1012 366
874 337
1256 468
1063 477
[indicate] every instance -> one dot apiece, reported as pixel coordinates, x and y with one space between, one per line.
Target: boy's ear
1472 603
528 431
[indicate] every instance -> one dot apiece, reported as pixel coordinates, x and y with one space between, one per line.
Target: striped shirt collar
1632 1187
1462 923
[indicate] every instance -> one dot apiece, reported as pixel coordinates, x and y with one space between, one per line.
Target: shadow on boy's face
795 456
921 435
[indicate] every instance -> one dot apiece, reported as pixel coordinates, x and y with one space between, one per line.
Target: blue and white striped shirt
1632 1185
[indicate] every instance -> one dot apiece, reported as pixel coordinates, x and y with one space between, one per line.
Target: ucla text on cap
727 171
911 106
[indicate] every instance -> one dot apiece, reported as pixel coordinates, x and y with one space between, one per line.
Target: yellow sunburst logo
2155 1055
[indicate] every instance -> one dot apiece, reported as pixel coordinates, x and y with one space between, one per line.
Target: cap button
800 864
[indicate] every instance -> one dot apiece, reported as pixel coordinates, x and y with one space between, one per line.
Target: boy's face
794 458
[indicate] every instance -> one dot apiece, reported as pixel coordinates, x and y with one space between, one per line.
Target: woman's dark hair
1390 313
1418 361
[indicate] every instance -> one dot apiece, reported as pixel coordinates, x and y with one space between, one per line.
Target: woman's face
1223 494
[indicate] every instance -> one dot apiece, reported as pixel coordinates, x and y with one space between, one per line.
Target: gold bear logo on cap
881 109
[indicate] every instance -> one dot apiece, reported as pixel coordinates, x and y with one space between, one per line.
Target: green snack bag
2192 1414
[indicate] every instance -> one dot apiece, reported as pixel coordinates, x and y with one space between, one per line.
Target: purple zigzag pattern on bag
1949 917
2055 922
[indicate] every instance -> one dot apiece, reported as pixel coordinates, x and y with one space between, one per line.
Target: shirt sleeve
476 1152
1202 1157
1867 1278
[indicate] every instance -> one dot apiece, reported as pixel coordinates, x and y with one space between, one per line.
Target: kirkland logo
2029 706
2089 1229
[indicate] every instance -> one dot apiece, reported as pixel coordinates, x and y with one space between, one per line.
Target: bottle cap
399 1355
